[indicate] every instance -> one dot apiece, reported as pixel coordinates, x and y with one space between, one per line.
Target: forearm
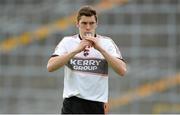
57 62
118 65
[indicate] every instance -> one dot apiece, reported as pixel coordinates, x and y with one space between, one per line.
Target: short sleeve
60 48
114 50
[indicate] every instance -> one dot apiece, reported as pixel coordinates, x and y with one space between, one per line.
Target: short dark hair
86 11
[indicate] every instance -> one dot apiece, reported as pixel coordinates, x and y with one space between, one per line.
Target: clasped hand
93 41
88 42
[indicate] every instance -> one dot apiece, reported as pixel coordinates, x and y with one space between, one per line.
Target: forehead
87 19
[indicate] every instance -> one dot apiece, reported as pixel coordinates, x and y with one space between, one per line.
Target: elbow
49 68
123 72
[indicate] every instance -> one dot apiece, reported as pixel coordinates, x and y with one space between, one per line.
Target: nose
88 26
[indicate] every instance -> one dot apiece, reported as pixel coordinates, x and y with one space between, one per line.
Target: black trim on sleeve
54 55
122 59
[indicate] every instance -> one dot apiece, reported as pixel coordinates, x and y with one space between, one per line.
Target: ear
77 24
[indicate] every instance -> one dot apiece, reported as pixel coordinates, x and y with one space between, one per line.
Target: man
86 57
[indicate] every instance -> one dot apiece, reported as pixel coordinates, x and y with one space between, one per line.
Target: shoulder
68 39
104 38
73 37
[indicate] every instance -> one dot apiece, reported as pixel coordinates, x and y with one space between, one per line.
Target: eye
84 23
91 23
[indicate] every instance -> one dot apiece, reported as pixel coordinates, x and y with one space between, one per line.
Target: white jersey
86 76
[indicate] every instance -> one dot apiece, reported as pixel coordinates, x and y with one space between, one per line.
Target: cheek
82 27
96 26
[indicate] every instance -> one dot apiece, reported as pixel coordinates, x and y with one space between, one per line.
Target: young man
86 57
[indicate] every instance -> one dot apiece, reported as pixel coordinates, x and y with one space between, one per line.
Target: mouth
88 33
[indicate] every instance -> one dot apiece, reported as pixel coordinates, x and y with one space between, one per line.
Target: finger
89 40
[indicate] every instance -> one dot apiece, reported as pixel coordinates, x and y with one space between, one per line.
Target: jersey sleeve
114 50
60 48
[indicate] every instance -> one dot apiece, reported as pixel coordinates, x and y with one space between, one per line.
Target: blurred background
146 31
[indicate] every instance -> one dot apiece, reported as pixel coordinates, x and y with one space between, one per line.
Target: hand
84 45
94 41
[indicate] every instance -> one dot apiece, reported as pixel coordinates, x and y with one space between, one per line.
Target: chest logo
89 65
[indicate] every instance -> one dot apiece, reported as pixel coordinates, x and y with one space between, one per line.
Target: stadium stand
146 31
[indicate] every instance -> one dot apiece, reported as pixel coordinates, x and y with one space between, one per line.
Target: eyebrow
88 22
